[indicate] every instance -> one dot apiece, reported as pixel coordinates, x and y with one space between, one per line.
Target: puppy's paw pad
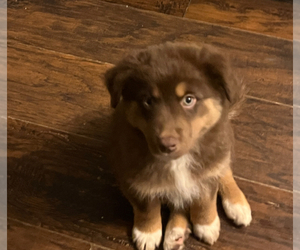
208 233
146 241
240 214
174 238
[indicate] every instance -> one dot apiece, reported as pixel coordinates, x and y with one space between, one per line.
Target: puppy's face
173 94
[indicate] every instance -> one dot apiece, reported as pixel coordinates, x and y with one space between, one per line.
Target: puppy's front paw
239 213
208 233
146 241
174 238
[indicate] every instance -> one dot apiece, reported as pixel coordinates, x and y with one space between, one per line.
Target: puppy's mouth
166 155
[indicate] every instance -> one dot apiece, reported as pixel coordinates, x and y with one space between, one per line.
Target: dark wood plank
269 17
105 32
42 82
171 7
62 183
21 237
264 143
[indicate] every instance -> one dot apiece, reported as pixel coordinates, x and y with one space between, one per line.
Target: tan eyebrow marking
180 89
155 92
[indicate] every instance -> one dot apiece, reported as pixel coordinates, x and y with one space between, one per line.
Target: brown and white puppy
172 141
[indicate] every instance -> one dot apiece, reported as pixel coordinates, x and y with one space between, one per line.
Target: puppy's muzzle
168 144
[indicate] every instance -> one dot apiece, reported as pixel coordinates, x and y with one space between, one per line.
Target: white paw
240 214
208 233
174 238
146 241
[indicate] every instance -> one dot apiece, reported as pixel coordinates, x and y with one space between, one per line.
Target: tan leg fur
204 216
147 229
234 201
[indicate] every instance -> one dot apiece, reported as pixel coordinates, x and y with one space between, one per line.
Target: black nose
168 144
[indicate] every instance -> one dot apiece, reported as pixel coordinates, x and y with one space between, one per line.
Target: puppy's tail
238 100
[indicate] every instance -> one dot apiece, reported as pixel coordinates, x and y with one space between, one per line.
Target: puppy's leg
147 229
234 201
177 231
204 216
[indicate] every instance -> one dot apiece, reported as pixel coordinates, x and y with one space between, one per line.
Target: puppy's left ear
114 81
218 69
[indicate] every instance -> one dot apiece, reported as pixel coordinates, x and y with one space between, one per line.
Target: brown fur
204 210
163 150
229 189
147 215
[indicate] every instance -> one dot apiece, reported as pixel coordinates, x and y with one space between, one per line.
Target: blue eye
188 101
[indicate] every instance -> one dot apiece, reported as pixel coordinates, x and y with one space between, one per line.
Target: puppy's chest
175 183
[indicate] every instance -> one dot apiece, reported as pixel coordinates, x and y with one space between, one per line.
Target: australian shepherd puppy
172 141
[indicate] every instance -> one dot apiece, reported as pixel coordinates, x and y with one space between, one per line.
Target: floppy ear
114 81
218 69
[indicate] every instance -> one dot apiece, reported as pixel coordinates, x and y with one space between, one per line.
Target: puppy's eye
147 102
188 101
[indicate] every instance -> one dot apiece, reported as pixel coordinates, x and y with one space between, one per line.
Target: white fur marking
186 187
172 236
240 214
179 173
208 233
146 241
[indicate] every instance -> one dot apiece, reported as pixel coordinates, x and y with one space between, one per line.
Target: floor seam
200 21
263 184
58 233
110 64
186 9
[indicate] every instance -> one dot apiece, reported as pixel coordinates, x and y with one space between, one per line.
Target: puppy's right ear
114 81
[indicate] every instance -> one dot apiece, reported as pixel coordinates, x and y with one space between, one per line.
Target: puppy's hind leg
234 201
177 230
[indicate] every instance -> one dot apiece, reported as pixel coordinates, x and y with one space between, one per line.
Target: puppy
172 141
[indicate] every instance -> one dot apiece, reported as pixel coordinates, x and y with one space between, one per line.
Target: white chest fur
175 184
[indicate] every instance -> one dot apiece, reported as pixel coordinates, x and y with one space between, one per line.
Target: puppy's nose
168 144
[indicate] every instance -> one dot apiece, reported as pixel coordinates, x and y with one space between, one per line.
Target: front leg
177 230
147 228
234 201
204 215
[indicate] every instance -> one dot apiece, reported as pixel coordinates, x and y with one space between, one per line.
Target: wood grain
62 183
32 238
269 17
171 7
105 32
42 82
58 177
264 143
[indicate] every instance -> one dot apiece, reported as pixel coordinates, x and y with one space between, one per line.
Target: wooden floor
61 194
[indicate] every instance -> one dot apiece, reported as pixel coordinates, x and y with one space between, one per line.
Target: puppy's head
174 94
